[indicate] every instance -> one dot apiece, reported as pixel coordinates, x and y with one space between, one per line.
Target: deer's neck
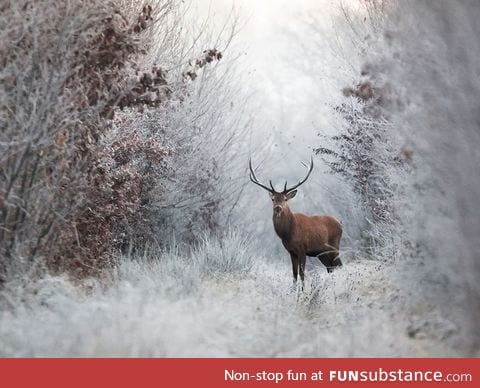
284 224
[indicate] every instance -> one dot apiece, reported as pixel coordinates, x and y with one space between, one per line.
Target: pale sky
290 68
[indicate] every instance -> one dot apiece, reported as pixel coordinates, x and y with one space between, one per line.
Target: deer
314 236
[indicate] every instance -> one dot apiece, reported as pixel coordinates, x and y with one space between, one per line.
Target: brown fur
301 235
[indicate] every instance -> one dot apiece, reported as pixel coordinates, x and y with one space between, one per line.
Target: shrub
72 168
231 253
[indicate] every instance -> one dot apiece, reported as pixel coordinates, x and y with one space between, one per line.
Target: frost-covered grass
222 299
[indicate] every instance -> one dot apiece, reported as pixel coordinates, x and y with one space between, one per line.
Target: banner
235 372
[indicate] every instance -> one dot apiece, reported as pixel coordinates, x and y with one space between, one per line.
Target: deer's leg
335 253
302 260
294 268
334 256
336 259
324 257
330 258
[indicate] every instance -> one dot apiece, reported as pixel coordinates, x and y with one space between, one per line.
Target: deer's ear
271 195
291 194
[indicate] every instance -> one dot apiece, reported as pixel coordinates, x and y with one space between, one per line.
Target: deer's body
311 236
316 236
302 235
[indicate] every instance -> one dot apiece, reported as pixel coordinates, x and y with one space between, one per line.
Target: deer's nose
277 209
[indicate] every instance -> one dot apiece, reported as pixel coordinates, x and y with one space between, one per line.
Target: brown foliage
62 189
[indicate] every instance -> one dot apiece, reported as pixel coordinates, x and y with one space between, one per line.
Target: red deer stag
315 236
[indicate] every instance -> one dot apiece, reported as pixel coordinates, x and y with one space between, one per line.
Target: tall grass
175 303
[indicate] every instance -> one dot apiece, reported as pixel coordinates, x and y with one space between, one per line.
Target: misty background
129 226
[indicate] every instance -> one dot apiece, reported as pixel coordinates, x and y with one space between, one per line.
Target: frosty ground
223 299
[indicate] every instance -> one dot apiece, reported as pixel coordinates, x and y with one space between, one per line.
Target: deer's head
279 198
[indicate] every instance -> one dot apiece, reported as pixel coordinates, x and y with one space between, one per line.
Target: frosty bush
230 253
432 56
361 152
426 55
200 180
72 168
